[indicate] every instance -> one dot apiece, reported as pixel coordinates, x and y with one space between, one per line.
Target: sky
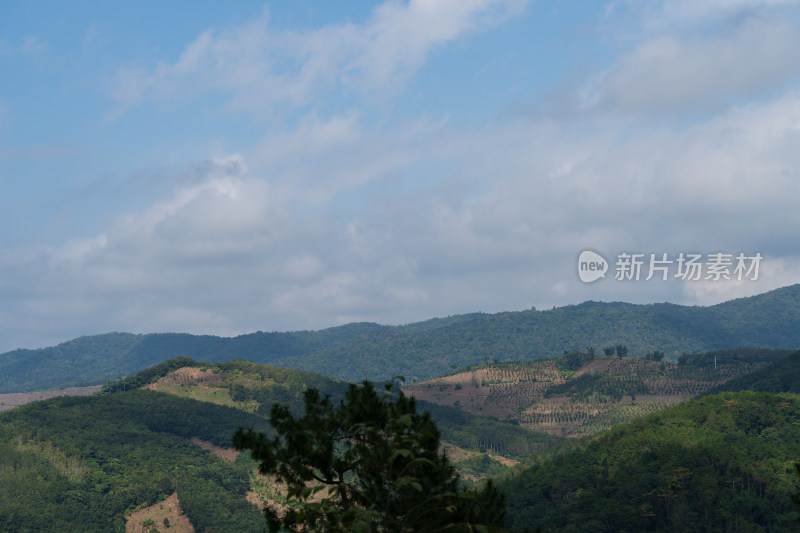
223 168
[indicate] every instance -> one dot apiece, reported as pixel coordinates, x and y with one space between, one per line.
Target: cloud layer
685 141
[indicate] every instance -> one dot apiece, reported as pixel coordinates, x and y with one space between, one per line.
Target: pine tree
370 463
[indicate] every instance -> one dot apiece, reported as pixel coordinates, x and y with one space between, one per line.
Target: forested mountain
95 359
427 349
720 463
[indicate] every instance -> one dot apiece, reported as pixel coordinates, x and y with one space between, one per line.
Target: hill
93 360
582 393
157 445
769 320
431 348
85 463
254 388
780 376
719 463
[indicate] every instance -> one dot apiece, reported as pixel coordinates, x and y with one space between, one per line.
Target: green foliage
655 355
269 385
370 463
79 362
481 465
574 360
733 355
474 432
720 463
79 464
781 376
150 375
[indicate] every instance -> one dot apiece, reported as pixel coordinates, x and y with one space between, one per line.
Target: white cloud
34 46
496 226
682 12
336 218
774 273
262 66
673 73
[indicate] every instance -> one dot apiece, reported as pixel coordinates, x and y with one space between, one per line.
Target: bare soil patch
154 516
226 454
189 375
15 399
505 461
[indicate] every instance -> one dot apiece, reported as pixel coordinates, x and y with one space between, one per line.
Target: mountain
431 348
719 463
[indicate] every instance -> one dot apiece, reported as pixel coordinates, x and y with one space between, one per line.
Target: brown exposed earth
154 517
226 454
15 399
190 376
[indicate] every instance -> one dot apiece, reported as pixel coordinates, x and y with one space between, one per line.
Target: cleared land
162 516
12 400
603 392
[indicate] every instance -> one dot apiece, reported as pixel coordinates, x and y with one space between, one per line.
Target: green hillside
431 348
95 359
255 388
81 464
720 463
85 463
780 376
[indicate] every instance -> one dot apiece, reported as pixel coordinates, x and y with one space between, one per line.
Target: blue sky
221 169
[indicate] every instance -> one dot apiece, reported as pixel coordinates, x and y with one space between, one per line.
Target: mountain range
430 348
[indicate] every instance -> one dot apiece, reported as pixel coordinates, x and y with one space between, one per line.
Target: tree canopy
370 463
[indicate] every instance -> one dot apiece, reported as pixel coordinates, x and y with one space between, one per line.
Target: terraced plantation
582 393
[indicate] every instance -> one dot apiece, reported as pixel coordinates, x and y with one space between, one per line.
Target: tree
370 463
655 355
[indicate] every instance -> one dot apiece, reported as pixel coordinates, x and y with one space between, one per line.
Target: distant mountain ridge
430 348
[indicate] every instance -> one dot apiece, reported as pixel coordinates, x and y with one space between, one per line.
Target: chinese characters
687 266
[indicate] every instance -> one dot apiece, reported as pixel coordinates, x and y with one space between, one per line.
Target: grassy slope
425 349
